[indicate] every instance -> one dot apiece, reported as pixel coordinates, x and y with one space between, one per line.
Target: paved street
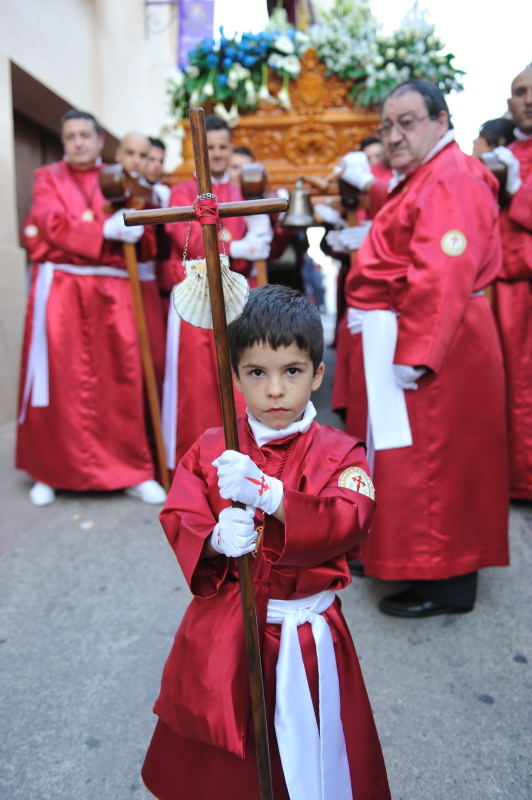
91 596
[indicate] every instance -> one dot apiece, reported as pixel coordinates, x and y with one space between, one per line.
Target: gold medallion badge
31 231
87 215
453 243
357 480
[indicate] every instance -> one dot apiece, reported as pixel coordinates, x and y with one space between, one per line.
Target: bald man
132 153
513 289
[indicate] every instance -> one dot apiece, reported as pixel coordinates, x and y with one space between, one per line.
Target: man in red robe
432 365
190 396
132 153
81 422
513 287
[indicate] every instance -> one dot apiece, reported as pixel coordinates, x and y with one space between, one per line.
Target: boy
309 501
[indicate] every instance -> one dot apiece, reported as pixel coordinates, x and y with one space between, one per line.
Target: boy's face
277 384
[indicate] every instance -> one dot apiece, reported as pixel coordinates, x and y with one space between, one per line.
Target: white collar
523 137
98 162
223 179
264 435
396 178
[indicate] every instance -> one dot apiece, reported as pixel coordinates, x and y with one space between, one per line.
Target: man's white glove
251 247
333 240
356 170
239 479
234 534
115 228
330 215
352 238
406 376
513 178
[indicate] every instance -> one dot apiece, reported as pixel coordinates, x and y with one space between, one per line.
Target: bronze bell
299 213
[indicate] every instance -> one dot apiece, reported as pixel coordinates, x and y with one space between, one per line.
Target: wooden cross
212 257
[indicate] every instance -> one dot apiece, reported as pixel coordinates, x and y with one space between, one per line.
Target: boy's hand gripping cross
240 479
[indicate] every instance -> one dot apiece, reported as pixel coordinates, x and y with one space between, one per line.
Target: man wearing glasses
431 361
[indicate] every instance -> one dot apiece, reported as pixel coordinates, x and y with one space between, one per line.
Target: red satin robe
442 502
348 351
91 436
203 746
198 392
513 311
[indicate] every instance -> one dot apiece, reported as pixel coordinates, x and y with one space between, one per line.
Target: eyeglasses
403 125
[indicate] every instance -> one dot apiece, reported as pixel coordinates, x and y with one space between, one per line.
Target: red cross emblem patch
357 480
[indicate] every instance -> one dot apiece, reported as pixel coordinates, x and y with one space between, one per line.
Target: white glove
251 247
513 178
239 479
406 376
333 240
356 170
234 534
115 228
352 238
330 215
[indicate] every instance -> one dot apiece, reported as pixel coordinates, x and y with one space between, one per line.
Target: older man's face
520 103
408 134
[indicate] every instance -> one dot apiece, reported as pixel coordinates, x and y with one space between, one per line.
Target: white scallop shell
191 297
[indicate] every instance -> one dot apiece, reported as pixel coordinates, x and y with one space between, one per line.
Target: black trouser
458 592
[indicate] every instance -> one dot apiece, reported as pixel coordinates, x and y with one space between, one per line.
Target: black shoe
408 603
356 568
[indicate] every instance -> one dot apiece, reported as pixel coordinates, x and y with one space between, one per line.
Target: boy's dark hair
214 123
278 316
155 142
496 129
367 140
242 150
74 113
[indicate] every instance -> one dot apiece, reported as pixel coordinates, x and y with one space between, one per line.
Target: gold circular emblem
357 480
31 231
453 243
87 215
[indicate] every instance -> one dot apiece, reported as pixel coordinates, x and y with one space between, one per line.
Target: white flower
401 53
264 94
251 94
192 71
208 90
292 65
390 70
194 98
284 44
284 99
390 52
276 61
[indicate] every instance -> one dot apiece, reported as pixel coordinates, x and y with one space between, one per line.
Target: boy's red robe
204 701
91 436
513 309
442 502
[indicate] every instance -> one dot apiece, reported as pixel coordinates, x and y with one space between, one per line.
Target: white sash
314 761
388 424
36 389
388 416
170 385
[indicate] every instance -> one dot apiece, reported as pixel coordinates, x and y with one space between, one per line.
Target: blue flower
211 59
221 80
227 62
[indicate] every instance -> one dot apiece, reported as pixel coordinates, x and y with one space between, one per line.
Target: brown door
34 146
